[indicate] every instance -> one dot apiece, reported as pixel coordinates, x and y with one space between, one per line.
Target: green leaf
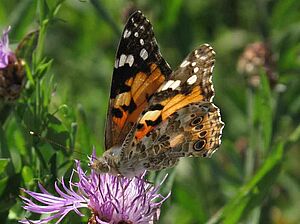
263 110
16 159
43 68
3 184
43 9
27 175
253 192
295 136
267 110
53 120
3 164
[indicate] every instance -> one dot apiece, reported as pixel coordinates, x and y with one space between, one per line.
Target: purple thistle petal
5 51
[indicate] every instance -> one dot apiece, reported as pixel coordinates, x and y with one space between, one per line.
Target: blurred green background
253 178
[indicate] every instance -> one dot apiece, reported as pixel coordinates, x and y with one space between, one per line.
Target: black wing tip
136 15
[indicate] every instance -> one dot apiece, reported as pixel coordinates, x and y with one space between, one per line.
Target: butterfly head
100 165
108 163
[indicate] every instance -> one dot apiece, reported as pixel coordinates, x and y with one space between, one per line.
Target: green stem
250 159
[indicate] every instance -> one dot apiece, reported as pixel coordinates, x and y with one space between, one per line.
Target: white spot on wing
144 54
184 63
122 60
196 69
150 115
204 57
191 80
175 84
116 63
167 85
130 60
127 33
142 42
136 34
194 63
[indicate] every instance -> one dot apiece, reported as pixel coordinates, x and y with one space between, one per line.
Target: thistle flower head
111 199
12 71
5 52
257 56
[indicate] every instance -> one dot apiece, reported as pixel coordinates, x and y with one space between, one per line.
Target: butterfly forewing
138 72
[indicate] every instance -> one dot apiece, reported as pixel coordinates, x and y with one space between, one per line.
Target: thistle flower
111 199
257 56
12 70
5 52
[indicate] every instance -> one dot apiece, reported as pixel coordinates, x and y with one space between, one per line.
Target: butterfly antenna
54 143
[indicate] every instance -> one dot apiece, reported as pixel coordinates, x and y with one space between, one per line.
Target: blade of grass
253 192
265 110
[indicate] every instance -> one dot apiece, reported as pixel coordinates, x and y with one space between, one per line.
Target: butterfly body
157 116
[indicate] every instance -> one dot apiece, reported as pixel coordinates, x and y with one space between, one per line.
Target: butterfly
155 115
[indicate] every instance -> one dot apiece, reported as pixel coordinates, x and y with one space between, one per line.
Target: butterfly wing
190 83
194 130
181 119
139 71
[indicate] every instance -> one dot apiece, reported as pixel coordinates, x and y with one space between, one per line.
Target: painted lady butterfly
157 116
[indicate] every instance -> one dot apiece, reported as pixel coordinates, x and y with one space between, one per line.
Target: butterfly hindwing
139 71
194 130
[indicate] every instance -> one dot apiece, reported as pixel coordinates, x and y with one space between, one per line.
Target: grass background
254 176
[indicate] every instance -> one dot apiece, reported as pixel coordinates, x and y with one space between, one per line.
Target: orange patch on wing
209 125
122 99
120 121
129 82
141 133
171 105
179 101
144 86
